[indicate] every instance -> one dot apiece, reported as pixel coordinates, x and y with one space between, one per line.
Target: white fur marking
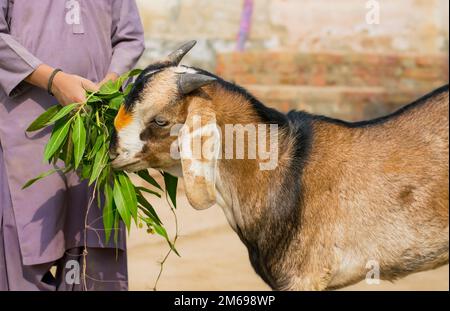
129 137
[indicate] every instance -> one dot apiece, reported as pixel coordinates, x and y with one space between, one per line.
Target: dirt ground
213 257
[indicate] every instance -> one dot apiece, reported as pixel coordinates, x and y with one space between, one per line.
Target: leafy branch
80 139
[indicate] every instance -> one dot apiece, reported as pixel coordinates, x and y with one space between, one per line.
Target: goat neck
267 219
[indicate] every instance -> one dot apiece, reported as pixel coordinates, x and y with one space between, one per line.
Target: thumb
89 85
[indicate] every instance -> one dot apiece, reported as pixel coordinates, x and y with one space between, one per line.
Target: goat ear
189 82
176 56
199 142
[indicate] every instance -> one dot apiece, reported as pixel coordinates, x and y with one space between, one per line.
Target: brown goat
341 195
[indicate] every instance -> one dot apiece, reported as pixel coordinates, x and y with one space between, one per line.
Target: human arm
18 65
127 37
67 88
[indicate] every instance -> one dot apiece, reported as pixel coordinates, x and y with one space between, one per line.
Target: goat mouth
123 166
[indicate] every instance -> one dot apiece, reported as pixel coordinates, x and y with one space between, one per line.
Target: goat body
344 197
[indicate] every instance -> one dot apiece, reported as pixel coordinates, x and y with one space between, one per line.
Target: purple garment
106 36
106 269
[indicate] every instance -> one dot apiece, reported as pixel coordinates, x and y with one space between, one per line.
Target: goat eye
160 121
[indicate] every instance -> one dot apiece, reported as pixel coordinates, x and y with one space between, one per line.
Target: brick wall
351 86
317 55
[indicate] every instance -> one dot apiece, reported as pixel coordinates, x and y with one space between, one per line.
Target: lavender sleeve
16 63
127 36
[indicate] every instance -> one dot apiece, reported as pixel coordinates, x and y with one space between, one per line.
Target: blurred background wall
317 55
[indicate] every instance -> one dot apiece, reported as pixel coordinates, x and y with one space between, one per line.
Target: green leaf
104 176
79 140
129 195
58 136
43 120
145 175
108 213
96 147
98 164
94 99
86 171
119 200
68 149
80 137
147 207
62 113
116 226
116 102
149 191
109 88
43 175
98 196
174 249
109 116
91 133
158 229
171 183
161 231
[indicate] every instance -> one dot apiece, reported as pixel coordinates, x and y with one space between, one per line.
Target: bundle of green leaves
80 142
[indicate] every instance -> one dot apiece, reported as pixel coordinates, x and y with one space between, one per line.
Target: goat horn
190 82
176 56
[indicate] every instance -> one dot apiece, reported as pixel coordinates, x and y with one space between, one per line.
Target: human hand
69 89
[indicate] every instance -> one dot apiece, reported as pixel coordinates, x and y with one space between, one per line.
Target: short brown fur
361 193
